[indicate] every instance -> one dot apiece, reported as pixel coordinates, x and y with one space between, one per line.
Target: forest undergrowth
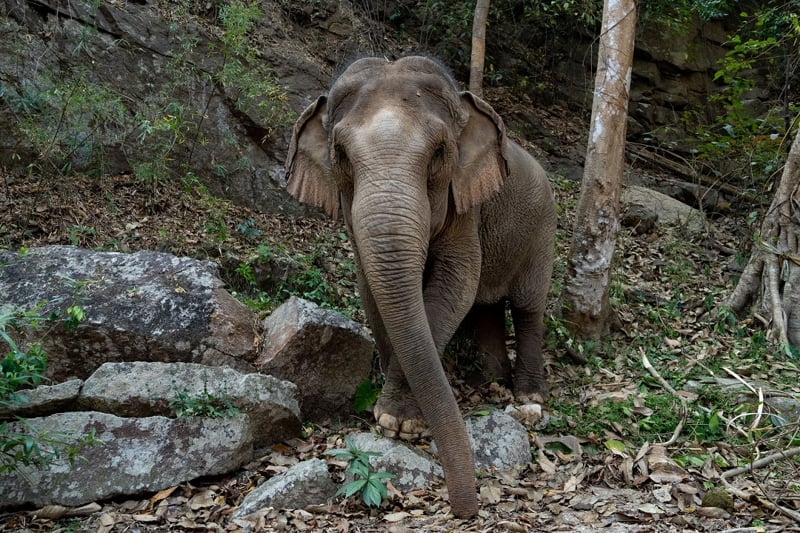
682 401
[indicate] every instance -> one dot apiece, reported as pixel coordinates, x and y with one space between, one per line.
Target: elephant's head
403 153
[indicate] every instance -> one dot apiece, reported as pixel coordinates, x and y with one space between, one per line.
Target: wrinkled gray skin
444 213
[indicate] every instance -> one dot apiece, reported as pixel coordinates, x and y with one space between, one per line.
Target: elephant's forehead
391 121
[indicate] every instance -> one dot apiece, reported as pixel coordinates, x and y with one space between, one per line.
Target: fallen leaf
162 494
546 464
512 526
664 470
107 522
51 512
202 500
146 518
650 508
490 494
396 517
662 494
85 510
617 447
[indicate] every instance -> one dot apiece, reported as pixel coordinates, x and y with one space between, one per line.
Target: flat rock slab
146 306
138 455
43 400
138 389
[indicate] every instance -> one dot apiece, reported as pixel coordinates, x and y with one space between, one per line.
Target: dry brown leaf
106 523
396 517
187 523
571 484
490 494
203 499
162 494
662 494
547 466
512 526
650 508
662 468
146 518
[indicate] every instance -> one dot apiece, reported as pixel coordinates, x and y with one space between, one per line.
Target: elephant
444 213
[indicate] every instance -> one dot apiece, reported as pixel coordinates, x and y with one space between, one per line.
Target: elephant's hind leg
530 383
490 324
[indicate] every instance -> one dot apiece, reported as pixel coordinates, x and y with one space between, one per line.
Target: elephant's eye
341 160
437 160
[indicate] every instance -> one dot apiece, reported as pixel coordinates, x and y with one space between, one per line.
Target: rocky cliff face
133 87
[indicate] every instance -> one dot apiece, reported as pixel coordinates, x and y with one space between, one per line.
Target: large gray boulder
323 352
498 441
145 306
140 389
666 209
137 455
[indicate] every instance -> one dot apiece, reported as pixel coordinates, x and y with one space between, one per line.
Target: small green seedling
366 481
205 404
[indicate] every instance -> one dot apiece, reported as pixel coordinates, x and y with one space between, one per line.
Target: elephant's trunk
392 231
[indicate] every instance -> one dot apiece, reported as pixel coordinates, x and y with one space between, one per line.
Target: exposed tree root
771 279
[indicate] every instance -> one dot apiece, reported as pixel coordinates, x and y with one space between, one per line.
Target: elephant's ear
308 167
482 166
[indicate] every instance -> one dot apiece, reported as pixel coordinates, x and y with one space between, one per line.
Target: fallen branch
794 515
760 463
663 382
759 393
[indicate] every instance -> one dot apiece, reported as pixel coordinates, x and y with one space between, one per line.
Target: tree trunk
478 47
585 304
771 279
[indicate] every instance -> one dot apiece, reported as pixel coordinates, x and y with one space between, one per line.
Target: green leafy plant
34 446
205 404
368 483
366 395
244 72
248 229
21 368
68 121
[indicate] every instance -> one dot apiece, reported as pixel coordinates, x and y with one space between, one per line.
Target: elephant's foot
399 416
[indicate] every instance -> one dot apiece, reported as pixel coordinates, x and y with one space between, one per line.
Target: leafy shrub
367 482
67 122
24 368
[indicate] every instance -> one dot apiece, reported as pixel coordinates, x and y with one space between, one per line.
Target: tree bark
771 279
585 304
478 47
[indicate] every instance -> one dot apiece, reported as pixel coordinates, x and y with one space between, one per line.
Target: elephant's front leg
396 411
448 294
